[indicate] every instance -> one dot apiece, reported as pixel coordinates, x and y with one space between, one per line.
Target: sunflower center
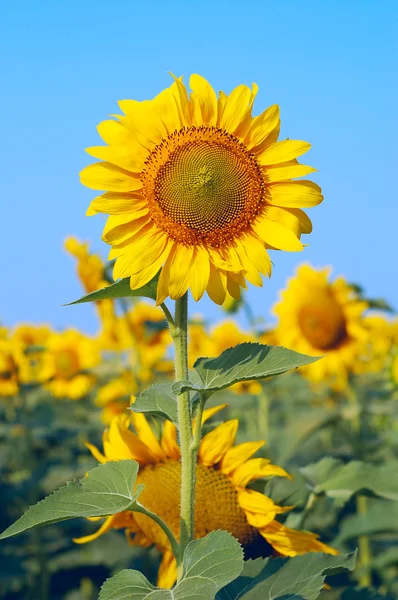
203 186
323 323
66 363
216 505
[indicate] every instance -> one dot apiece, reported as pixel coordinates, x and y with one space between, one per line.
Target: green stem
168 317
365 553
198 427
188 472
170 536
263 414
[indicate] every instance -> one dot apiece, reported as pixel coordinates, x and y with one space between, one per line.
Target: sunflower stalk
188 458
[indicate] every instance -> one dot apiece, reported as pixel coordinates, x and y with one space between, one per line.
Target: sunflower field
166 457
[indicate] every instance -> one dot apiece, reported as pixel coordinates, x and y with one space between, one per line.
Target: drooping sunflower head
198 187
320 317
223 500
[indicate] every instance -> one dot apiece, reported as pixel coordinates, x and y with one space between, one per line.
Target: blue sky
331 66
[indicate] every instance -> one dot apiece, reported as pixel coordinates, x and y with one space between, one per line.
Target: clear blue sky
331 66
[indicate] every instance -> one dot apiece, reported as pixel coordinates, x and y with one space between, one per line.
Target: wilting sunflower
318 317
223 500
197 185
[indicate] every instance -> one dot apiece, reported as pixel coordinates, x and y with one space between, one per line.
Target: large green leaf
340 481
157 400
382 515
244 362
120 289
299 578
209 564
105 490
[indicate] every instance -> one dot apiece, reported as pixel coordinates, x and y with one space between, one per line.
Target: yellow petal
216 288
237 455
106 526
181 95
165 105
262 126
144 121
282 151
114 133
137 280
163 283
95 452
180 270
216 443
208 413
297 194
284 172
290 542
167 574
146 434
278 236
235 108
105 176
119 233
145 250
169 441
115 203
221 102
121 443
259 509
256 468
200 273
233 287
292 218
256 254
130 157
205 99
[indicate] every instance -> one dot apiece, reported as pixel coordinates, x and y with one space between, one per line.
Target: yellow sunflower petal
216 443
96 453
259 509
208 413
206 100
285 172
276 235
105 176
256 468
180 265
262 126
293 219
144 252
169 441
237 455
200 273
282 151
165 105
290 542
167 574
297 194
144 122
121 443
235 108
114 132
146 434
130 157
137 280
115 203
216 288
106 526
181 96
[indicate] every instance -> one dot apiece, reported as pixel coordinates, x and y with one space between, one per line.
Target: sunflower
8 368
318 317
114 396
223 500
197 185
71 355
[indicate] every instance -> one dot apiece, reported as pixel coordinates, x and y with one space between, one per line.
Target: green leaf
209 564
244 362
361 593
299 578
340 481
381 516
157 400
120 289
105 490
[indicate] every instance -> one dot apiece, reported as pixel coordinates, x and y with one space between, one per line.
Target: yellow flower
223 500
322 318
376 352
197 185
34 361
8 368
114 397
71 354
